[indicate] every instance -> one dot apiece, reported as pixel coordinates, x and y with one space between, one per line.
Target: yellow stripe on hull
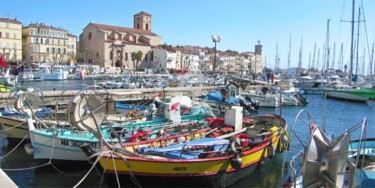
159 166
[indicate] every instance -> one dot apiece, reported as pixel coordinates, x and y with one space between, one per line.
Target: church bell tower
142 20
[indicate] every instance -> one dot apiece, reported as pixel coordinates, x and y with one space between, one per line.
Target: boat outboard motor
264 90
301 99
245 106
254 104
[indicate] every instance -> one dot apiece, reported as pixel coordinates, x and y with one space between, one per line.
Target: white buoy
29 148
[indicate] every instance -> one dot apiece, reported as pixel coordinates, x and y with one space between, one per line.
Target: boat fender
270 150
29 148
236 161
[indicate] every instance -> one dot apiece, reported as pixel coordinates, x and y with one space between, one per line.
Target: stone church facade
113 46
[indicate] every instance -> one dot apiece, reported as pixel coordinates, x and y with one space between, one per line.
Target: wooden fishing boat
242 146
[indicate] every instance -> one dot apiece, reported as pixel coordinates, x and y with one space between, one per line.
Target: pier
51 97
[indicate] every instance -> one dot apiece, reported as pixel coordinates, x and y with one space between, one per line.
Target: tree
136 57
57 59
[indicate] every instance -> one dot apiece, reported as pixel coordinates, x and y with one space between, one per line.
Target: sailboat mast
313 61
333 56
341 65
317 62
351 45
290 46
309 61
356 61
276 56
327 46
363 62
300 58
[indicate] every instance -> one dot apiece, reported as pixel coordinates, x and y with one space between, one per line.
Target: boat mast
309 61
313 61
317 62
333 56
290 46
276 56
341 64
300 57
363 72
351 45
372 64
356 61
327 46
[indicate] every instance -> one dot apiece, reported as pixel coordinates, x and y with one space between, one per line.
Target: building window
64 50
14 35
73 46
7 25
0 34
146 26
31 49
47 41
126 56
58 50
41 41
111 55
90 35
47 50
14 45
137 26
7 35
53 50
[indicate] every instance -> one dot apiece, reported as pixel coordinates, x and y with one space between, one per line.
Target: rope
14 148
12 127
29 168
92 167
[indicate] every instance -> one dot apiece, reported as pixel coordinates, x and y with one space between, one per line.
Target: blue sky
240 23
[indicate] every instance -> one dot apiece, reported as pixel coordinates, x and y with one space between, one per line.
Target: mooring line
12 127
14 148
92 167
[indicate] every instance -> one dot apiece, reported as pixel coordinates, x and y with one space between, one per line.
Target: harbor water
338 116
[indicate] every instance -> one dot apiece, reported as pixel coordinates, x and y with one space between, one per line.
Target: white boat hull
56 148
345 96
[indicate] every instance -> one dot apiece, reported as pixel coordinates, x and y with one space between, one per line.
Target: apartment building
11 39
42 43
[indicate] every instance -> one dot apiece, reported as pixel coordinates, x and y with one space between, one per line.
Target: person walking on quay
272 78
268 77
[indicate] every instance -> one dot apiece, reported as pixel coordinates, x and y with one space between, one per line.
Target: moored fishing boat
217 161
63 142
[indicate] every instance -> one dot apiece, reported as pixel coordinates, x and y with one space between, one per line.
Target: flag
175 106
3 63
158 95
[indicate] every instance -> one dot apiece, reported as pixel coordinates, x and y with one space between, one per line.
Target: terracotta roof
8 20
122 29
42 26
71 35
142 12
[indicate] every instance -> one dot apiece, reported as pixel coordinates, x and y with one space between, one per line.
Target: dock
52 97
5 181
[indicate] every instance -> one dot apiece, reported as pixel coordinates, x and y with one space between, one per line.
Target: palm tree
136 57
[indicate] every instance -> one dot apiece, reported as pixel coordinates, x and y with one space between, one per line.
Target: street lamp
215 39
